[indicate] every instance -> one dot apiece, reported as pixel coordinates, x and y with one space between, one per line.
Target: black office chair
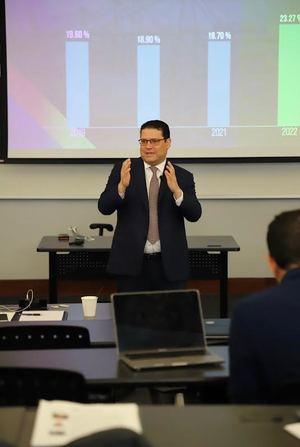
43 337
101 227
26 386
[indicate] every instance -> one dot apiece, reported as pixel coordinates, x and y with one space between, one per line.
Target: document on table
293 429
59 422
42 315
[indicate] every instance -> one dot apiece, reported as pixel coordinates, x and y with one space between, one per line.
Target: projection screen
82 76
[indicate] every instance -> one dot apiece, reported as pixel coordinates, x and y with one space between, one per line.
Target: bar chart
218 79
289 75
148 78
77 84
219 59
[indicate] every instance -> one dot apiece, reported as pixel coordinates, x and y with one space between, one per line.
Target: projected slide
84 75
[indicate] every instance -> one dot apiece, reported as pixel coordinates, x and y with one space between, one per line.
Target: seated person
265 327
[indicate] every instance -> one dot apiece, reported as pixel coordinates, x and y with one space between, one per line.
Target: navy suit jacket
265 342
126 257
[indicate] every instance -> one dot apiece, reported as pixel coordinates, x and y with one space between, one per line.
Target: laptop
160 329
217 330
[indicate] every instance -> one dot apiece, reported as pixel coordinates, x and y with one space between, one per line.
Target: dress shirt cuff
179 200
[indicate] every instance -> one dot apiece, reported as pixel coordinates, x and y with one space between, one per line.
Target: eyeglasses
152 141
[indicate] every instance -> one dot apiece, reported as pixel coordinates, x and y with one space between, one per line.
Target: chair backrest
26 386
101 227
43 337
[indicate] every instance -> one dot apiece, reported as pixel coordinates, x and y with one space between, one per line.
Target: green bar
289 76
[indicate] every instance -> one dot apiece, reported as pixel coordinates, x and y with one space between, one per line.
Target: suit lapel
141 181
163 187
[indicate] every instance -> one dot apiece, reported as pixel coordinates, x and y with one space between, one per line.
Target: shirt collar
291 274
160 166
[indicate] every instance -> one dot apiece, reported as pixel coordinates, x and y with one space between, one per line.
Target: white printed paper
60 422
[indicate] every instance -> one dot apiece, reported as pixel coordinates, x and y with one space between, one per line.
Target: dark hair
283 239
159 125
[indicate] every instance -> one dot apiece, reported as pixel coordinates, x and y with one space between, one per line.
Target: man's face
155 152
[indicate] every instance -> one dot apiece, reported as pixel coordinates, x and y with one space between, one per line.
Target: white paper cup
89 306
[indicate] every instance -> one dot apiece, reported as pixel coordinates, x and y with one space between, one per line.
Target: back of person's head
159 125
283 239
116 437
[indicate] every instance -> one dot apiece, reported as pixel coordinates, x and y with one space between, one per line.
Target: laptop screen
158 320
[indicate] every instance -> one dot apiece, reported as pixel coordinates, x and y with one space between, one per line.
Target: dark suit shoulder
258 303
137 161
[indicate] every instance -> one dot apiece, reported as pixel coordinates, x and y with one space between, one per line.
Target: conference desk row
101 327
100 364
192 426
208 260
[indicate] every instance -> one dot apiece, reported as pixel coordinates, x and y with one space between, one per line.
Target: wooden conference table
191 426
208 259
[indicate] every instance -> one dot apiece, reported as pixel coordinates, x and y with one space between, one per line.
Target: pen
36 315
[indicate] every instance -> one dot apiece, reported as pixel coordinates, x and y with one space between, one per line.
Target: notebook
160 329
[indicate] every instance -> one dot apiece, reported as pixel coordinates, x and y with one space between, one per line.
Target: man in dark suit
149 249
265 327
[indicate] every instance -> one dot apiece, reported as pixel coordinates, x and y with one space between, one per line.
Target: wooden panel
103 287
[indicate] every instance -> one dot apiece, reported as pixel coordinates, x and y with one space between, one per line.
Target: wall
238 200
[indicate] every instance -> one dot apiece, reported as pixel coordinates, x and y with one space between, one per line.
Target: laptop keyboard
158 355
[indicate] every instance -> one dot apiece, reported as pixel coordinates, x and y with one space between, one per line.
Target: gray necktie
153 233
